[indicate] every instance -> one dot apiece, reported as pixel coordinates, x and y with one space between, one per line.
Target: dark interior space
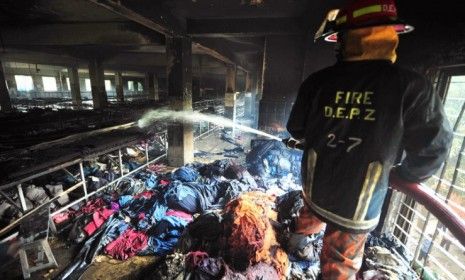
142 121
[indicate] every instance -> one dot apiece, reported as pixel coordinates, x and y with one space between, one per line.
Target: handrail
432 203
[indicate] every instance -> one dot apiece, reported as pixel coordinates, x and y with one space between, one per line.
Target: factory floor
138 267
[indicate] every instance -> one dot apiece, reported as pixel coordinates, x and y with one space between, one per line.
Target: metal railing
417 217
160 139
205 104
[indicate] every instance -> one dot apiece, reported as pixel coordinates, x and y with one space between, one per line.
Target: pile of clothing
210 221
272 159
152 213
386 258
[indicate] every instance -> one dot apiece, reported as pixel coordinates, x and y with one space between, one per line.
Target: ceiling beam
163 23
243 27
75 34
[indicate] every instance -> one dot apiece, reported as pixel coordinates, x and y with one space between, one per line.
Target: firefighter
353 118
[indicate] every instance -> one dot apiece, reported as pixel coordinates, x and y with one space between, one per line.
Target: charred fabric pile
211 221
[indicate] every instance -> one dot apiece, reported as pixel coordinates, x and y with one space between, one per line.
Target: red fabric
127 245
98 218
183 215
92 206
145 194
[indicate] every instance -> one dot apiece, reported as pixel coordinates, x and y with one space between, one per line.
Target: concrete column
179 72
75 88
282 76
119 87
230 94
97 82
156 94
151 86
5 101
248 82
59 82
148 79
38 83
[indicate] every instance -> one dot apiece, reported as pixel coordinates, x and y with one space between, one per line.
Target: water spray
192 116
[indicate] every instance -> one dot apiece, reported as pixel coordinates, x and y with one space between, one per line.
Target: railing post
120 162
83 179
147 151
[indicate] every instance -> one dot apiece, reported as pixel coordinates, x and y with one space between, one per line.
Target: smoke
193 117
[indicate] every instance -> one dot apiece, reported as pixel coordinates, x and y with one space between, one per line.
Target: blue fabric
192 197
160 247
131 165
182 197
158 212
115 228
185 174
152 216
125 200
151 182
139 205
165 236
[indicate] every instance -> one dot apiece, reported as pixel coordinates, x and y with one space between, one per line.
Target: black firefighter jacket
355 117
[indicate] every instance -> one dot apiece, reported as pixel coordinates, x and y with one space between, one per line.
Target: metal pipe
22 199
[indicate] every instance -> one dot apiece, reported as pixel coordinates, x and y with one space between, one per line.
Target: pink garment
98 218
127 245
183 215
157 168
61 217
164 183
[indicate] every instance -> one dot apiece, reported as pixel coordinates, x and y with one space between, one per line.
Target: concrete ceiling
232 31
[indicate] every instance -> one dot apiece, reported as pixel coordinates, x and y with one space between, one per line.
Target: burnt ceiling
236 29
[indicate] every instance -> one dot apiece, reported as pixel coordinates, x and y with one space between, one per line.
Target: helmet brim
401 28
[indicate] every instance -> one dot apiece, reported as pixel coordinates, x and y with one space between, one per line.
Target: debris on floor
220 220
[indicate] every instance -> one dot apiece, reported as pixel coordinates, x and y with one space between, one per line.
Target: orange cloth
370 43
251 232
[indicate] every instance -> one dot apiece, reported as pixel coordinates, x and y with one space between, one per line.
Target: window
140 87
107 85
50 83
24 83
68 84
88 86
131 85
